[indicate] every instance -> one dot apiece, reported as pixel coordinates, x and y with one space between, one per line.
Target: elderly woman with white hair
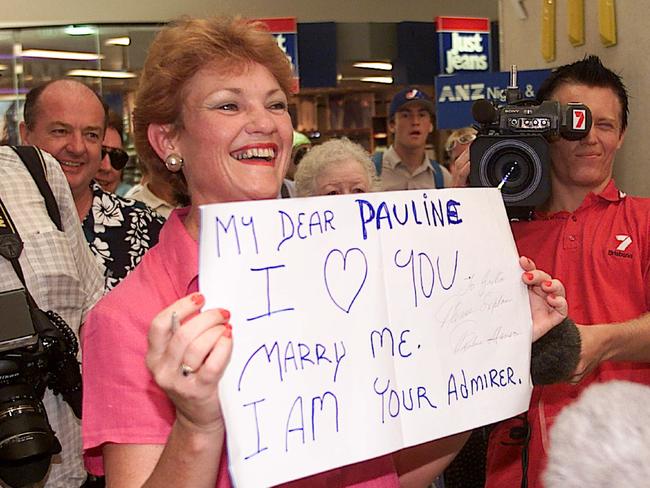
336 167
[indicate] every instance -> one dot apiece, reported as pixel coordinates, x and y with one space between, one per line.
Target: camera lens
25 430
512 165
510 169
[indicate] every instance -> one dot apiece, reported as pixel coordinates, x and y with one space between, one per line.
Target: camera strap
32 158
11 247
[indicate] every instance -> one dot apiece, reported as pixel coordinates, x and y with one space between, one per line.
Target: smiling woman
215 94
236 135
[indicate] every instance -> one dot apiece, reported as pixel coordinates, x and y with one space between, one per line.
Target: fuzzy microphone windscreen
602 440
555 355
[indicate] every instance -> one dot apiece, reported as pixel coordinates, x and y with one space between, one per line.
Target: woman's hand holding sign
548 303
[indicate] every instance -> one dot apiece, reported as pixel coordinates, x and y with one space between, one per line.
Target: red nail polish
529 276
197 299
224 313
228 332
548 283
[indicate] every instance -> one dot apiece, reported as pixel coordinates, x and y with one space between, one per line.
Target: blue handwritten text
295 356
425 212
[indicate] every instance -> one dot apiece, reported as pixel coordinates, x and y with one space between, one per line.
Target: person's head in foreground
603 439
586 165
336 167
211 111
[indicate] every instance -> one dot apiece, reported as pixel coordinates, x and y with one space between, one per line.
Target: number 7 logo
625 241
579 119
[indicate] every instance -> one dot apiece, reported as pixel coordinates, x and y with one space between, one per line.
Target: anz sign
470 92
455 94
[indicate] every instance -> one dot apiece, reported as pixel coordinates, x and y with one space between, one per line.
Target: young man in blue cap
405 166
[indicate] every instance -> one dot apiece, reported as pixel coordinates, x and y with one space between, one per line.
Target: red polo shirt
601 252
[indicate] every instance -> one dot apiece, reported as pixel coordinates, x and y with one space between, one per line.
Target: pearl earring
174 162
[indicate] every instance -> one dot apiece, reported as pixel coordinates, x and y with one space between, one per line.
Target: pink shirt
122 404
601 252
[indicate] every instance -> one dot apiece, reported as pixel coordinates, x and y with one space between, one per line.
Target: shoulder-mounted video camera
511 149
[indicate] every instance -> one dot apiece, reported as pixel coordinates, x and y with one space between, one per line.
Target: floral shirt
119 231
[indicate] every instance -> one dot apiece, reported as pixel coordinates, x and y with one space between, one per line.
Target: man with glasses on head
69 120
456 143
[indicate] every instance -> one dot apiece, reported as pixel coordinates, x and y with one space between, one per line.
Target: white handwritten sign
363 324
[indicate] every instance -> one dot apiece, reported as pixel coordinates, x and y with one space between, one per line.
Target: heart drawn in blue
345 275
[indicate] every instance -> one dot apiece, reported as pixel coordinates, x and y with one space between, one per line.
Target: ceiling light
95 73
45 53
118 41
80 30
377 79
374 65
11 98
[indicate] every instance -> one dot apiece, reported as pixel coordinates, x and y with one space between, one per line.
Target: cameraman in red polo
595 239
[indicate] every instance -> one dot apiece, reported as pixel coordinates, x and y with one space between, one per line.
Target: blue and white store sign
463 45
285 31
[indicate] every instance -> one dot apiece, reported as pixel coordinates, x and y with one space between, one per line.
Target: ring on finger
186 370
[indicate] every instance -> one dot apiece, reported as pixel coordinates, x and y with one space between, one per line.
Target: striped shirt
61 274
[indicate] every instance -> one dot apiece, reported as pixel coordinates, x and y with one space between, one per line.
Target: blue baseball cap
410 95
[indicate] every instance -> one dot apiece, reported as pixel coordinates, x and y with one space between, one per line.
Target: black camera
27 441
511 149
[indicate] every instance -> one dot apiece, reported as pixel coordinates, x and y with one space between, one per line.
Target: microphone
556 354
484 112
602 439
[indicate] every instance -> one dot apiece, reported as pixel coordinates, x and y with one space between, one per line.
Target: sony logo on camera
510 151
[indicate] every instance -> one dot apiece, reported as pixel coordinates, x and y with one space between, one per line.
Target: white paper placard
363 324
